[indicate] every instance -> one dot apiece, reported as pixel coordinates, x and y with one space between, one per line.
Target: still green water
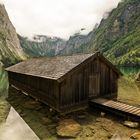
127 71
21 118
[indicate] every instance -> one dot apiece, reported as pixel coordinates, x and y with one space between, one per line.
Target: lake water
21 118
12 126
129 71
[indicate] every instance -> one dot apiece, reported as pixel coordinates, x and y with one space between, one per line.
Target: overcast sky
60 18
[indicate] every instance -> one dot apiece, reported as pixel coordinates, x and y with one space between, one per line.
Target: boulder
135 136
89 131
81 116
68 128
118 136
138 77
103 114
131 124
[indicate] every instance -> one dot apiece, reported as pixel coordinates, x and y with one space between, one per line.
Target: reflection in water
35 114
41 120
44 123
15 128
130 71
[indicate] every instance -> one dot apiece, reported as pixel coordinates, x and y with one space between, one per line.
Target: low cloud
1 1
56 18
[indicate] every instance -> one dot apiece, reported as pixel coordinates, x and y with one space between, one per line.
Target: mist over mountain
117 36
56 18
41 45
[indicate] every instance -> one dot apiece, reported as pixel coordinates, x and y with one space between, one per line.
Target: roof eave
49 78
111 65
75 68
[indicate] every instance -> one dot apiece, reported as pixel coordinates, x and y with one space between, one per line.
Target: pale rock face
78 41
41 45
10 48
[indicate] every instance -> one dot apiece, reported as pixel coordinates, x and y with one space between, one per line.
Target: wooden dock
117 107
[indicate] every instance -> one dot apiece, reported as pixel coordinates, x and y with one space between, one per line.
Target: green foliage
3 82
126 50
37 49
117 36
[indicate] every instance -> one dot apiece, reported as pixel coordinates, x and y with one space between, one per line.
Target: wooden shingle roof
55 67
49 67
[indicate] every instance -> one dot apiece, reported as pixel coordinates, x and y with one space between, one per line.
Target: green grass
129 91
3 82
117 36
4 105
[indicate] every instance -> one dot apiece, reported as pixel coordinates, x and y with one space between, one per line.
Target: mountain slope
42 45
10 49
77 43
117 36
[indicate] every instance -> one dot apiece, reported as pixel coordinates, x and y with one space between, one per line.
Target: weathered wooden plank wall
43 89
75 88
108 80
93 79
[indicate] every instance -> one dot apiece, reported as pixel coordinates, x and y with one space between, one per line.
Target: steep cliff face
77 44
41 45
117 36
10 49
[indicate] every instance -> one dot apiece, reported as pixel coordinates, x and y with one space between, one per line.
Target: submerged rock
116 136
68 128
138 77
46 120
81 116
32 105
131 124
103 114
135 136
89 131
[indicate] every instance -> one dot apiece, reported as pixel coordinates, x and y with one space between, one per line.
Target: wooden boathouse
66 83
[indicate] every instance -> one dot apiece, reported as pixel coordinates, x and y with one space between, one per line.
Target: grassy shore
129 91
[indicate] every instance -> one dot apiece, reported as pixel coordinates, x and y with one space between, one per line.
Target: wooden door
94 85
105 80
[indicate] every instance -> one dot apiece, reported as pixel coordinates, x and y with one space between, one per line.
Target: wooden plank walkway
129 109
